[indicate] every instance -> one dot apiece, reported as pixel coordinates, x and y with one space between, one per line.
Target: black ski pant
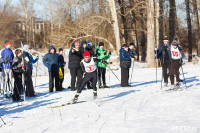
53 75
76 73
102 75
61 80
174 70
89 77
124 77
29 84
166 71
17 85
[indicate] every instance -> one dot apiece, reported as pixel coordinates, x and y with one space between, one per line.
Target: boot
75 99
105 86
95 95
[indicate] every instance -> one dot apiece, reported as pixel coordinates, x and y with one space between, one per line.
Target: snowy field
143 108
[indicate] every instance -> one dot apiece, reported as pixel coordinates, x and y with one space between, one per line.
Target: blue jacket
161 52
126 56
7 53
32 60
51 61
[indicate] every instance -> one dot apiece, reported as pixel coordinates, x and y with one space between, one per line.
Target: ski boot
95 95
74 100
105 86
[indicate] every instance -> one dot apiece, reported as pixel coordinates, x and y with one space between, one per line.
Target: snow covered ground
143 108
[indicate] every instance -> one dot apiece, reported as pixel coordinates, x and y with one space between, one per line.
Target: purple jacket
7 53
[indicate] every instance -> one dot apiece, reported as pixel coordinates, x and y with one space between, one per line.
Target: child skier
88 64
17 72
176 60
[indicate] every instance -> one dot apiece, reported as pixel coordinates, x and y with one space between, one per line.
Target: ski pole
2 120
156 68
131 72
36 74
183 76
114 73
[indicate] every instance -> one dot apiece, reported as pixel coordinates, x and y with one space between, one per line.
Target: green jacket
101 56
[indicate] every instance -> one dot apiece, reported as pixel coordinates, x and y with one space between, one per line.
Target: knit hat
101 44
124 46
174 42
26 47
89 43
132 44
166 38
86 53
60 49
76 43
7 42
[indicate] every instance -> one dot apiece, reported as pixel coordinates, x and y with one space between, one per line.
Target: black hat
132 44
165 38
101 44
174 42
60 49
124 45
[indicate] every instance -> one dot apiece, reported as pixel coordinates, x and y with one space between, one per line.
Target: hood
83 42
52 47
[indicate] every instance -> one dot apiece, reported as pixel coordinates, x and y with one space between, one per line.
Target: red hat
86 53
7 42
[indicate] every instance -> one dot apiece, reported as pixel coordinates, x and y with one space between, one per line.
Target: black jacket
75 59
27 61
16 64
61 60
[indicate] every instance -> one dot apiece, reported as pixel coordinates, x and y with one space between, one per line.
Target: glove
105 53
37 57
109 53
105 62
2 60
7 60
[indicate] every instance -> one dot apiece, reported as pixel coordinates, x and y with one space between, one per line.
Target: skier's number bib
90 67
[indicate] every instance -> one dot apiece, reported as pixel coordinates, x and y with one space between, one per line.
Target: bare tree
187 3
150 34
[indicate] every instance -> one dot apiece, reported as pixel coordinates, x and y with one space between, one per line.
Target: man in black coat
75 57
164 54
51 61
62 64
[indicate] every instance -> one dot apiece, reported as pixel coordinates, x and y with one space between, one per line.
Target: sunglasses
87 57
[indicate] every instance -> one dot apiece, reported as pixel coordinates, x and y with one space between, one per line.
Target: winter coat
90 49
16 64
75 59
27 61
51 61
164 51
32 60
7 53
61 60
101 54
126 56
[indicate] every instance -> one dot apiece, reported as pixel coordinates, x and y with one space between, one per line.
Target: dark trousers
17 85
61 80
53 75
89 77
124 76
102 75
166 70
175 65
29 84
76 73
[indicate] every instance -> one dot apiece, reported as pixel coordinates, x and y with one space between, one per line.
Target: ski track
143 108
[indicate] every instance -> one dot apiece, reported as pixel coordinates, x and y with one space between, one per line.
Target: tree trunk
124 22
115 24
172 20
160 21
197 28
187 3
150 34
142 39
